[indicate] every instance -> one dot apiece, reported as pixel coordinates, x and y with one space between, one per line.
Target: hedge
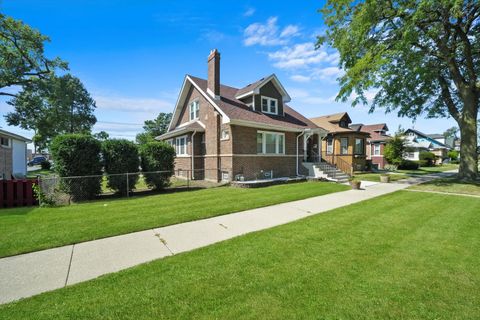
78 155
408 165
427 159
157 156
120 156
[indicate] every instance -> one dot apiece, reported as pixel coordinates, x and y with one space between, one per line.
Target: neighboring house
343 146
225 133
375 143
13 154
418 142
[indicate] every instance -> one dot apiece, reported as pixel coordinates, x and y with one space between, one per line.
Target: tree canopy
60 105
420 57
154 128
22 58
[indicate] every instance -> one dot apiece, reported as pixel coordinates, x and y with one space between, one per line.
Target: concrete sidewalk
33 273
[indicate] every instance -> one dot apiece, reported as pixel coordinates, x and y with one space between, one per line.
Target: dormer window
194 109
269 105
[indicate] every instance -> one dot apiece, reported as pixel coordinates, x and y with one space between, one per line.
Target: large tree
22 58
451 133
154 128
57 106
422 57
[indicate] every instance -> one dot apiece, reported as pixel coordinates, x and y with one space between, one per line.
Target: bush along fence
56 190
17 193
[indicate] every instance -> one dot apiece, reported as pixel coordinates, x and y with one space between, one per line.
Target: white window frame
341 147
362 152
177 145
376 149
9 142
329 145
225 134
194 110
277 144
269 100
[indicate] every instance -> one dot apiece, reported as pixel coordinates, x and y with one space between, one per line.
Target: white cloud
300 78
249 12
300 55
289 31
328 73
128 104
267 34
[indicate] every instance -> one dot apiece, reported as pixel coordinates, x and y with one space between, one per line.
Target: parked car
36 161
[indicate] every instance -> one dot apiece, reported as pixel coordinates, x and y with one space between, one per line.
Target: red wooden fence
17 193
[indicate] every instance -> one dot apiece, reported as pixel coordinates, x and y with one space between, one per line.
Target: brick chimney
213 81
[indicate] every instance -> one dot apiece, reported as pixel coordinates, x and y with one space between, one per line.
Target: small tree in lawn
78 155
395 150
120 156
157 156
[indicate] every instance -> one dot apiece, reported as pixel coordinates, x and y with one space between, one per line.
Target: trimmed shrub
157 156
427 158
78 155
422 163
453 155
120 156
46 165
408 165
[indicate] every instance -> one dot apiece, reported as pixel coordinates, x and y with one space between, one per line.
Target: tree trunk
468 170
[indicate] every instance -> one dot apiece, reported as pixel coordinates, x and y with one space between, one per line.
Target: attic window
194 109
269 105
343 124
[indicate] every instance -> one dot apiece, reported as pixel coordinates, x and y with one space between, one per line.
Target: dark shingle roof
237 110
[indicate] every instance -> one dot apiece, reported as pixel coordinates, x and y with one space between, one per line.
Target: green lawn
31 228
376 176
429 170
451 185
39 172
402 256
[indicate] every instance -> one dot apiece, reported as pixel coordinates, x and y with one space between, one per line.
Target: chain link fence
57 190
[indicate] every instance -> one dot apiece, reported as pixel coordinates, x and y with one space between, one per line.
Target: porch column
319 147
305 138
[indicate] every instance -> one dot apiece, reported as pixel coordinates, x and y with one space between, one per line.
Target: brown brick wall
379 161
251 166
245 140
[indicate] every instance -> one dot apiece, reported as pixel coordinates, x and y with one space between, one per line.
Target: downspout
298 137
193 155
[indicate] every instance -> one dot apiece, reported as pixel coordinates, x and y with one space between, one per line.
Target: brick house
222 133
342 147
375 143
13 154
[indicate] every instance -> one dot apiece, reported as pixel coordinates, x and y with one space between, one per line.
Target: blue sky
132 55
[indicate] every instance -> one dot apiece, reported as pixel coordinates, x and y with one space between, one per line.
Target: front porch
330 154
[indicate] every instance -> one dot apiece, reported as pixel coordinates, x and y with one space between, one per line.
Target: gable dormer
266 95
341 119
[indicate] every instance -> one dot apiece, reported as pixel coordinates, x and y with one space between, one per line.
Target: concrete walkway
33 273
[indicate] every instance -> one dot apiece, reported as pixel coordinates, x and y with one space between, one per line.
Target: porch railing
337 161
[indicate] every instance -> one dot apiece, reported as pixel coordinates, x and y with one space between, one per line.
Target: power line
121 123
